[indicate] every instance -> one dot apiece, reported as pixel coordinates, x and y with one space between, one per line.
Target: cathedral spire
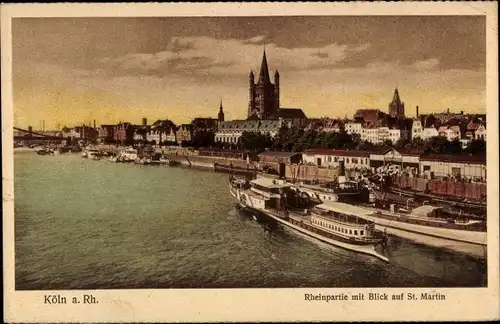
264 70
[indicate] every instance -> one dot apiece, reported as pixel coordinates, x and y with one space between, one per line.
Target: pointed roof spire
396 96
264 70
220 104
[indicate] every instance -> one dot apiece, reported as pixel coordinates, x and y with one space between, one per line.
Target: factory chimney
417 112
94 123
144 122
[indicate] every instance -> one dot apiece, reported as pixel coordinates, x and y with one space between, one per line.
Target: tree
476 146
402 142
365 146
254 141
453 147
203 138
436 144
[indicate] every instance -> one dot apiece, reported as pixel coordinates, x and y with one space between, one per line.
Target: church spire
264 70
221 113
396 96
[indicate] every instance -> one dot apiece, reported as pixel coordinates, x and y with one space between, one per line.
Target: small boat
173 163
128 155
93 155
44 151
113 159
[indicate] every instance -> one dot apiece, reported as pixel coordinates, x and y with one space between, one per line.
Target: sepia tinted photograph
250 152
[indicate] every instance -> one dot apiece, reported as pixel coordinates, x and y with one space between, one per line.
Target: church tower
264 95
221 113
397 107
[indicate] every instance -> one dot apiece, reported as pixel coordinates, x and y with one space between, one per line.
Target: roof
409 151
270 183
291 113
396 98
216 149
372 115
333 152
472 159
424 210
279 154
344 208
239 124
264 70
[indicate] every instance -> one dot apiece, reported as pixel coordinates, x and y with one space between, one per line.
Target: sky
69 71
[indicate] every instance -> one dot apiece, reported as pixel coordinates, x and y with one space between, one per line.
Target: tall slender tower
264 95
277 91
251 102
397 107
221 113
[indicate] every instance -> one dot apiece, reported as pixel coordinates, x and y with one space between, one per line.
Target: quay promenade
190 157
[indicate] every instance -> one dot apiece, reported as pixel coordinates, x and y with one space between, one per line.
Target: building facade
106 133
458 166
331 158
231 131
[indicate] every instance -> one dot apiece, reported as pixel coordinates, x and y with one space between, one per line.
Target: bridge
30 135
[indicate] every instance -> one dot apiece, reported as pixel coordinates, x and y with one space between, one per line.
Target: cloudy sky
73 70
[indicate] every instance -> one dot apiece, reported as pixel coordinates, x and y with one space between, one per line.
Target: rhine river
83 224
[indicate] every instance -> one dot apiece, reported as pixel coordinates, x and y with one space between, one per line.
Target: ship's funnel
341 168
282 170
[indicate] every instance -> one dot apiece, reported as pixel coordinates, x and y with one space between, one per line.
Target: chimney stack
94 123
30 129
144 122
43 128
461 112
417 112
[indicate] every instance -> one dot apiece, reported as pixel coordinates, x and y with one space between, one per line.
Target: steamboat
335 223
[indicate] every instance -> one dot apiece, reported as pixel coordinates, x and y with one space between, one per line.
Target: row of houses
376 126
159 132
463 129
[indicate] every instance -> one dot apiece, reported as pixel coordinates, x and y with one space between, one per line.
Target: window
350 231
335 159
355 161
355 232
329 159
361 232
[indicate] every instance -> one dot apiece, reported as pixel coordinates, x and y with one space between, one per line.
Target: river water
84 224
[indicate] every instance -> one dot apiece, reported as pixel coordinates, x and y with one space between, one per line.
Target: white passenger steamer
335 223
